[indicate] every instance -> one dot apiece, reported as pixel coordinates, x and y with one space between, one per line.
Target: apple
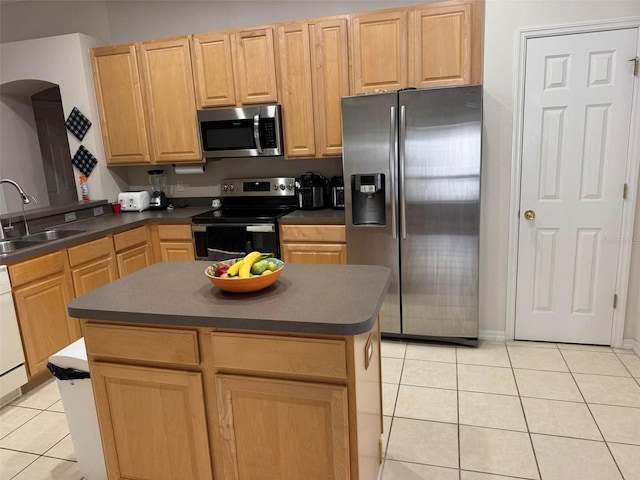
220 269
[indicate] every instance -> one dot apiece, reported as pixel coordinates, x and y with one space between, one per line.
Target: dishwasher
13 373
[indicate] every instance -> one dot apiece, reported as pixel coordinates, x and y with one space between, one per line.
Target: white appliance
13 373
134 201
80 410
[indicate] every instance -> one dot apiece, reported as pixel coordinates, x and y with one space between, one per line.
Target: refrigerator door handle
403 214
392 170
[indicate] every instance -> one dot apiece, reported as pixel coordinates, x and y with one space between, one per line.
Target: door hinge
635 65
615 300
624 191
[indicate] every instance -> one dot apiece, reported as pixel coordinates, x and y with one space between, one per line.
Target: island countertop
320 299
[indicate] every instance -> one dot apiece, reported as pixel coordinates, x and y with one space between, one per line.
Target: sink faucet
25 200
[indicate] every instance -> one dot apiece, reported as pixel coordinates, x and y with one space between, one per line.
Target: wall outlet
98 211
70 217
180 186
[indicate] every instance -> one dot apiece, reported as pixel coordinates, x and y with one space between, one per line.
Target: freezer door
369 125
439 184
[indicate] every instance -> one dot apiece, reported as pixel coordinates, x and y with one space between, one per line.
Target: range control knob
231 188
225 188
282 187
290 186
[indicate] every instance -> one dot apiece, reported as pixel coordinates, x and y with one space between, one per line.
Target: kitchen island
284 383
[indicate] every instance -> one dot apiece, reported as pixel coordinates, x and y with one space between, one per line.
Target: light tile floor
501 411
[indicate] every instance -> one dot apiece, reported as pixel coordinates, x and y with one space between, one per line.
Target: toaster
134 201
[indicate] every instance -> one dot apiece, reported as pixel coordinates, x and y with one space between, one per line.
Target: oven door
224 241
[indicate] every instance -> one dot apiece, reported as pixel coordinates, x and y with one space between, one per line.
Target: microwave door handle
256 132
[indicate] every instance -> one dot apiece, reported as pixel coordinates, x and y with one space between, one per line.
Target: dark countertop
102 225
314 299
327 216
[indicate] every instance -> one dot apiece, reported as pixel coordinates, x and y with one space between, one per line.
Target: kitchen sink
49 235
8 246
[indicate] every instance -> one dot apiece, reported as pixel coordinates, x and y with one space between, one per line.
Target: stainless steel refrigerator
411 165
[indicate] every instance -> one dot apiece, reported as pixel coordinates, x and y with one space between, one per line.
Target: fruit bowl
243 285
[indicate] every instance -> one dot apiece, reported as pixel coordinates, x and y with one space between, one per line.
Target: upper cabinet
119 96
379 51
254 66
213 70
147 102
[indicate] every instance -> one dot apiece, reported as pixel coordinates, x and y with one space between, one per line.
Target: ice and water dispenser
368 199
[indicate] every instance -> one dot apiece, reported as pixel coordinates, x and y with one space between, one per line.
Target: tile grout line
455 353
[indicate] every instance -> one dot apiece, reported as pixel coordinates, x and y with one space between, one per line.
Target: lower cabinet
275 429
152 421
133 252
325 244
93 265
172 242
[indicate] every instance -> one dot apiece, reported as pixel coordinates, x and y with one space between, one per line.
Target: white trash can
71 369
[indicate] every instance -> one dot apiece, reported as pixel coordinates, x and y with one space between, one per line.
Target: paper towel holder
188 169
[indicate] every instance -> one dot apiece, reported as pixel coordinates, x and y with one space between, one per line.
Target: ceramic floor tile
424 403
632 362
554 417
628 459
45 468
595 363
487 353
389 395
491 410
393 349
526 343
391 369
57 407
434 353
394 470
429 374
13 417
39 434
12 462
499 452
476 378
618 424
386 429
571 458
63 450
425 442
42 397
620 391
467 475
586 348
549 385
537 359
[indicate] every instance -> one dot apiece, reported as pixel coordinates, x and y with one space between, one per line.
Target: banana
235 268
247 263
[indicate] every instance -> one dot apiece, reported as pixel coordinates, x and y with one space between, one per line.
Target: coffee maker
158 197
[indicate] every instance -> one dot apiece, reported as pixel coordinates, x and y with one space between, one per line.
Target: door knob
529 214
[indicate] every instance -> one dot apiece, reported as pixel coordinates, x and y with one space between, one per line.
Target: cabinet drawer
313 233
130 238
142 343
35 268
174 232
89 251
324 359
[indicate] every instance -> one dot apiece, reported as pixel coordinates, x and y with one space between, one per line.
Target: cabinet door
325 253
280 429
122 116
213 70
152 422
93 275
42 314
330 67
170 97
379 51
440 45
176 251
133 259
254 66
294 80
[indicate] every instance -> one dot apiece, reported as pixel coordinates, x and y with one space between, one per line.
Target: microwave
241 132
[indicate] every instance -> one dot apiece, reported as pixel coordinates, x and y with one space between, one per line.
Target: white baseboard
627 344
495 335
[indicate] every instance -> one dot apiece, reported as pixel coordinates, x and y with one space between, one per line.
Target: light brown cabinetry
213 70
172 242
92 264
324 244
120 103
254 66
133 251
42 287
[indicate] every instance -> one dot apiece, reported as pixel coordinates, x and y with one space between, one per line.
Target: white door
576 130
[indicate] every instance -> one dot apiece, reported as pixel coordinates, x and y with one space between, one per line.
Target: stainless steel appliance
248 219
313 191
241 132
411 163
13 373
157 181
337 193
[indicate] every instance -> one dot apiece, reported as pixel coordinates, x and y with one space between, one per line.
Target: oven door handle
198 227
261 228
256 133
